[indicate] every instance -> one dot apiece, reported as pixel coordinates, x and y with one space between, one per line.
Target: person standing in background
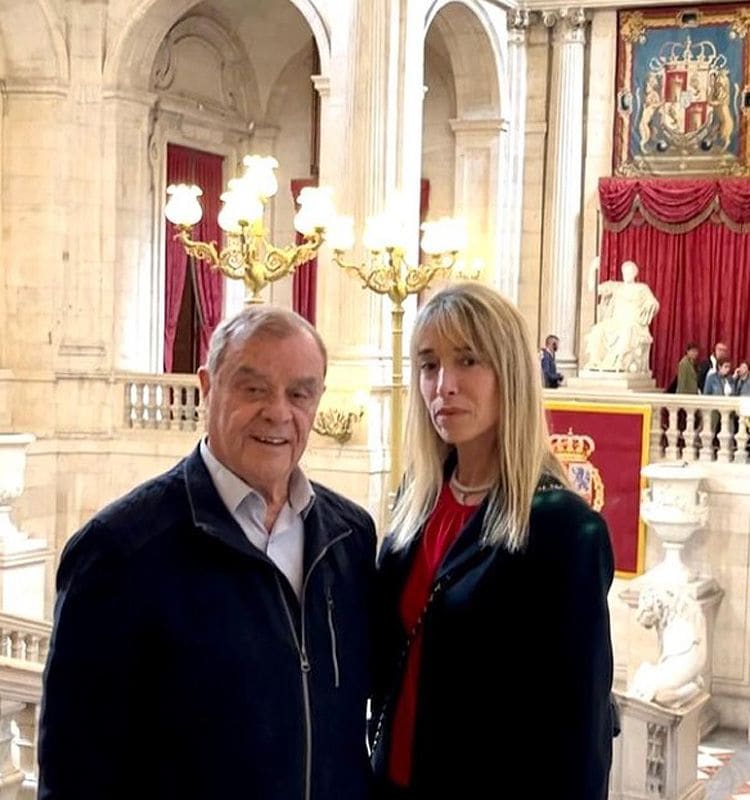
711 364
687 378
551 378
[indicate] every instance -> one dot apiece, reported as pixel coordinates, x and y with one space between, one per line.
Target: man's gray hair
258 319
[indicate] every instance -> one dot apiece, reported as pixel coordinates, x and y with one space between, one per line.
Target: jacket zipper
332 631
304 661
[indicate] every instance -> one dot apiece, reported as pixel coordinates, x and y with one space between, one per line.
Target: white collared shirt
285 544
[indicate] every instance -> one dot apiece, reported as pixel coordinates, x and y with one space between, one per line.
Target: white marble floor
724 763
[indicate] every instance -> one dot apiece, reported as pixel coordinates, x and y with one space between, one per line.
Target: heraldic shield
574 451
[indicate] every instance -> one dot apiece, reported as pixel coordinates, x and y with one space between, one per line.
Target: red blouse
441 531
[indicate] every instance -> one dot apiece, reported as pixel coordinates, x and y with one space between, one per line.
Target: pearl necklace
464 491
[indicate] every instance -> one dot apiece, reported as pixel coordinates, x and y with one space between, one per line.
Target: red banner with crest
604 447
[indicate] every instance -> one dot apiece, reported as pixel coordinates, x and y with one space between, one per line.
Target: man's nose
277 407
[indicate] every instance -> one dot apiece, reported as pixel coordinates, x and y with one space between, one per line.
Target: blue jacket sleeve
582 659
87 727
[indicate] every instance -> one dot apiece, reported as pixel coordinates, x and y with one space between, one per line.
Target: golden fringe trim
638 215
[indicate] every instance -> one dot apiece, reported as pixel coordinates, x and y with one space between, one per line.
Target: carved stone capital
518 22
568 24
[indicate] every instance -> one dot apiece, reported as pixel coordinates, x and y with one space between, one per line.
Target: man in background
551 378
711 364
687 378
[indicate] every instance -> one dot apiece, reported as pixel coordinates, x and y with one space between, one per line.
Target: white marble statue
620 341
681 627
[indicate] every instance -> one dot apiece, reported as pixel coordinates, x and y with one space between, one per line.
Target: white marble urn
12 470
674 508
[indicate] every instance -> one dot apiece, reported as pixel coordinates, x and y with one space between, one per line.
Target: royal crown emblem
574 450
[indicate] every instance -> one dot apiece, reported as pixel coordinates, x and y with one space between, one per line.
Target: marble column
564 180
512 149
371 126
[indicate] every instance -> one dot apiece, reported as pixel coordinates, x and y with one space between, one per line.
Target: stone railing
23 649
684 427
24 639
162 402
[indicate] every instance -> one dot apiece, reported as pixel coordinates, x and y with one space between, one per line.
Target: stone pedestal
599 382
23 576
708 594
23 561
657 752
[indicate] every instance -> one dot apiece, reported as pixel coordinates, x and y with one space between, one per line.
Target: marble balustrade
23 650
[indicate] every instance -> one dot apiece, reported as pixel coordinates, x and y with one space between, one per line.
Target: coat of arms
574 450
683 103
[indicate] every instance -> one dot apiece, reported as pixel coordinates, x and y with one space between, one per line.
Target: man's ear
204 377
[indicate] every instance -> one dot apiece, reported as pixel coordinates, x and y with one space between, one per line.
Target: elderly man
211 627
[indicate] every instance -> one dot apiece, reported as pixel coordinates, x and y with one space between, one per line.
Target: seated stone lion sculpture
681 627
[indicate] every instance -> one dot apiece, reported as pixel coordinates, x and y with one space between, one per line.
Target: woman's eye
469 361
426 366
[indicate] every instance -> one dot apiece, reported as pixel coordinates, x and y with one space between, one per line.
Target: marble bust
681 628
620 341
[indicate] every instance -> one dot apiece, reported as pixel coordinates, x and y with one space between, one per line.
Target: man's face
553 344
725 369
692 354
721 351
261 404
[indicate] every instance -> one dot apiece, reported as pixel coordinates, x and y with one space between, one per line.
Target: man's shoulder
332 502
130 521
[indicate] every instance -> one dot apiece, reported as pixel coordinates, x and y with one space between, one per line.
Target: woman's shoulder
559 514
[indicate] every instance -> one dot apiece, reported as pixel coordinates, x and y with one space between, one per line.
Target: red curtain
691 241
305 279
185 165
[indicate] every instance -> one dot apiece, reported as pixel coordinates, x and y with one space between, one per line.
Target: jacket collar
207 509
323 522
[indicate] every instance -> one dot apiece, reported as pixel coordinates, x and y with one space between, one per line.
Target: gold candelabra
385 271
338 424
247 254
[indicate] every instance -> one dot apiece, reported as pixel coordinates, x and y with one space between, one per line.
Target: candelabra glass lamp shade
248 255
182 207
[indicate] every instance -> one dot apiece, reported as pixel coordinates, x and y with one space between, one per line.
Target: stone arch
475 53
277 98
32 42
133 49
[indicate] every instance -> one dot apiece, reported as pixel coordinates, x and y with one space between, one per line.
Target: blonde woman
495 661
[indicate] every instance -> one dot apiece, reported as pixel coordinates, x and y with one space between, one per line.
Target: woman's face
460 391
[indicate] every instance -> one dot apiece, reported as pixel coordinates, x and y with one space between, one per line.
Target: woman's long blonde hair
473 315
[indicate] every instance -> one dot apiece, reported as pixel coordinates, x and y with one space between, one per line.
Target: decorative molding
656 748
82 349
322 84
487 125
237 89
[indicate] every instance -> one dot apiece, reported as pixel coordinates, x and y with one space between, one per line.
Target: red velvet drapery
691 241
185 165
305 279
